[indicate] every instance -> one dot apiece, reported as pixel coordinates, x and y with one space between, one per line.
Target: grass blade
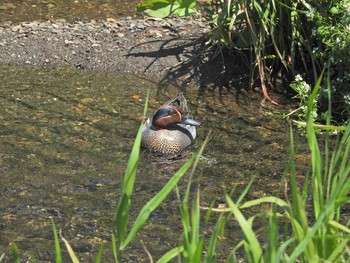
282 249
114 247
155 201
316 159
127 188
162 194
69 249
57 243
213 239
251 241
99 255
266 199
15 253
170 255
124 203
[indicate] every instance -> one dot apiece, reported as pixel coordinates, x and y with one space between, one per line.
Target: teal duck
170 129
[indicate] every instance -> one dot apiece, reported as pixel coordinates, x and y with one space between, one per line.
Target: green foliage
303 91
192 245
99 254
155 202
127 188
332 31
164 8
327 238
290 37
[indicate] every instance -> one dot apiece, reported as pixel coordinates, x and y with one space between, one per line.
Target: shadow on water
65 137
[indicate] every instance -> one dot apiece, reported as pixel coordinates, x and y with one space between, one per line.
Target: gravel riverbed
149 46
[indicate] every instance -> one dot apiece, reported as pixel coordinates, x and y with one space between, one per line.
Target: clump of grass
321 237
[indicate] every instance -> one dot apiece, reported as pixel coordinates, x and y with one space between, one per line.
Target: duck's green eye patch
164 112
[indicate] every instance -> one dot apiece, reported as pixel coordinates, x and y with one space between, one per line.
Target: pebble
106 32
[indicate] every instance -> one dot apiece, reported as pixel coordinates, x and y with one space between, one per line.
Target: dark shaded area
197 62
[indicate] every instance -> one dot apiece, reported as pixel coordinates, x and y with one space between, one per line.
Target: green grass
319 237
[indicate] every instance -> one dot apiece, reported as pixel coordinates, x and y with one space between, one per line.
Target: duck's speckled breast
168 141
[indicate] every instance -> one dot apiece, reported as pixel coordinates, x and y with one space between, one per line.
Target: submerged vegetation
304 223
292 39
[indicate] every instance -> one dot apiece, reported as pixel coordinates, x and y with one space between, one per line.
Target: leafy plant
322 237
303 91
164 8
332 31
280 38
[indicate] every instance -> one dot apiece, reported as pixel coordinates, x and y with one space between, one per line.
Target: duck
170 129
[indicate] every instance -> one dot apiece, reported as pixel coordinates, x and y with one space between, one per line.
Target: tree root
263 85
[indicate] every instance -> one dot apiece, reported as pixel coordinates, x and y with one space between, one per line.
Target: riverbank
148 46
174 49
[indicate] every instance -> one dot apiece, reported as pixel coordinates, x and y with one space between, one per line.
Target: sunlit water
65 137
71 10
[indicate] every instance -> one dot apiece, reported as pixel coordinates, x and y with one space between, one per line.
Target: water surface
71 10
65 137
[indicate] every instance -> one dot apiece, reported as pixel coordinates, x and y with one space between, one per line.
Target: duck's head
169 115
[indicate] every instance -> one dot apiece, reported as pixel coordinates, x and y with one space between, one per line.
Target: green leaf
57 243
162 194
99 255
155 201
128 181
15 253
159 11
252 241
170 255
334 10
164 8
213 239
267 199
339 226
114 247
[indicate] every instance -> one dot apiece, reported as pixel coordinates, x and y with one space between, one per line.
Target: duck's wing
179 102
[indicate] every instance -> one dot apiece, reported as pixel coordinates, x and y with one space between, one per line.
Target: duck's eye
171 112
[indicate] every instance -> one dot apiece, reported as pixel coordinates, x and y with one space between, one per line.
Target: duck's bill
191 122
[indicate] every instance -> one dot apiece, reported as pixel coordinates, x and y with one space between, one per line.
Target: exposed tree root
263 85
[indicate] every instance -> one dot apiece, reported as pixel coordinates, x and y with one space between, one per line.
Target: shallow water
65 137
71 10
